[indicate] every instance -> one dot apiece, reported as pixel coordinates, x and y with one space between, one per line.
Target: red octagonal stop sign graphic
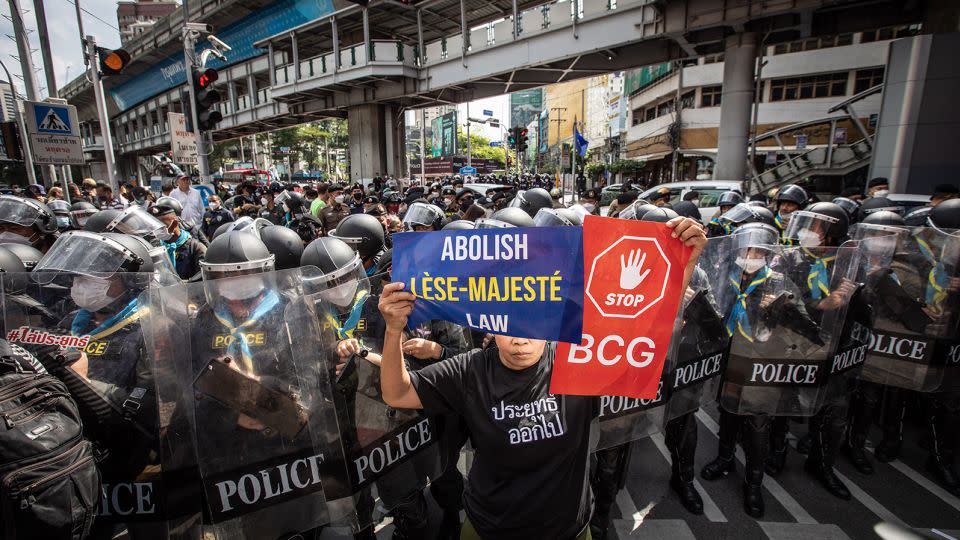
628 277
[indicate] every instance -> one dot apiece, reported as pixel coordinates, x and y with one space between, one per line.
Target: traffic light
522 140
205 98
512 137
112 62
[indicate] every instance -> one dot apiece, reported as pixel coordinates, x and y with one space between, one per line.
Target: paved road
797 507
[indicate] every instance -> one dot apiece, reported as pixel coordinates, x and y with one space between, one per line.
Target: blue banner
521 282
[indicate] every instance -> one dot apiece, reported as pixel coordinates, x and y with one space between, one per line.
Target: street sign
496 144
284 149
801 141
44 118
487 112
54 133
183 143
468 170
840 136
771 158
628 277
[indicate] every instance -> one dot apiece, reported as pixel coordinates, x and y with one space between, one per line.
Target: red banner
633 273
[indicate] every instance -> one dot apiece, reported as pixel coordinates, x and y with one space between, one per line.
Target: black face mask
358 196
465 204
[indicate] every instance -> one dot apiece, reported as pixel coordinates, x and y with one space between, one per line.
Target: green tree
479 147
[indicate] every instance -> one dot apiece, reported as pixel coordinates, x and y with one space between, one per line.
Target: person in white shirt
190 199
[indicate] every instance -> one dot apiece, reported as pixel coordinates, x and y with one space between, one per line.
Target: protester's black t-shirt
530 475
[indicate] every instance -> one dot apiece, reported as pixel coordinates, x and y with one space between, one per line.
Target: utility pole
678 105
423 146
559 120
469 145
66 174
93 63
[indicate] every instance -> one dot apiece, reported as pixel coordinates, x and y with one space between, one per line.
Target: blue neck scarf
738 319
238 331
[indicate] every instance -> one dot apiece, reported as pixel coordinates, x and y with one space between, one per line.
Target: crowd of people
228 241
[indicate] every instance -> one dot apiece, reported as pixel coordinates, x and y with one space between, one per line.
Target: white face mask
8 237
785 217
695 201
588 206
342 295
750 266
263 201
883 245
881 193
214 206
90 293
809 239
241 288
338 199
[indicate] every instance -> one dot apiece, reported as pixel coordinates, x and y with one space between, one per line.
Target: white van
709 190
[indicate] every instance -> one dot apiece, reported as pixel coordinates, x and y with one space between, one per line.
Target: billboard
444 135
525 105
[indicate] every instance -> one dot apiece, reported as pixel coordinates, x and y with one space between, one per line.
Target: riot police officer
422 217
296 216
726 201
506 217
27 221
133 220
532 200
365 235
61 209
789 199
80 212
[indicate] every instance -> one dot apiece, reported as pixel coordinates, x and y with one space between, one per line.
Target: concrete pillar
915 143
739 61
368 142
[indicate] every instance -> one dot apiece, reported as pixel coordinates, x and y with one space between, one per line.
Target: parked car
709 190
908 201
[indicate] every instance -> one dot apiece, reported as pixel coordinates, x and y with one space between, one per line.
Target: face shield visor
490 223
164 272
17 211
754 235
738 214
520 201
421 214
237 282
135 221
340 288
82 253
808 229
581 211
548 217
79 217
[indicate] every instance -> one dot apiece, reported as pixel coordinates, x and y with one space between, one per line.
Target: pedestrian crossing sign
45 118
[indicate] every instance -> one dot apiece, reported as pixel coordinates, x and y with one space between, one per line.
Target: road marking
710 508
655 529
872 504
629 510
923 481
785 499
797 531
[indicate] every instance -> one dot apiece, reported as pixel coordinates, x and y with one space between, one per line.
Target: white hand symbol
630 270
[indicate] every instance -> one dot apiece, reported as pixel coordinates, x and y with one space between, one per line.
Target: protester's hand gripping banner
634 274
522 282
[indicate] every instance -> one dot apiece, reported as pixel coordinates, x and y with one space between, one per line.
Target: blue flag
521 282
580 143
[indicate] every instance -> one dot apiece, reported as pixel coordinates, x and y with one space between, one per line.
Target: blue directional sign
495 144
51 119
468 170
487 112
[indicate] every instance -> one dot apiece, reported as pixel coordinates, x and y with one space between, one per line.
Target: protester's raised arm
398 391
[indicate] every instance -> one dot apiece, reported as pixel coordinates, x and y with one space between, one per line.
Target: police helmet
637 210
28 255
792 193
729 199
754 235
824 219
877 204
341 278
27 213
362 231
236 253
61 209
885 217
851 206
285 245
459 225
133 220
687 209
165 206
659 215
572 215
11 272
80 212
945 215
94 255
917 217
424 215
532 200
506 217
748 213
549 217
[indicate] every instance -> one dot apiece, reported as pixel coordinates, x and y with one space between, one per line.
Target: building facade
135 18
7 102
800 82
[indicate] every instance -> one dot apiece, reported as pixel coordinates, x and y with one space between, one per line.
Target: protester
190 199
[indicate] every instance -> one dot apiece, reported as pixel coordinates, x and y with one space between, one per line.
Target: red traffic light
205 78
523 132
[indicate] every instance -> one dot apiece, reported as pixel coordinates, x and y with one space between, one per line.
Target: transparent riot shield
782 332
100 353
700 341
624 419
246 404
390 454
914 341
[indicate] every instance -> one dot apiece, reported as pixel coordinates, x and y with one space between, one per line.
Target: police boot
724 464
756 446
778 446
681 440
804 443
410 519
940 462
854 449
605 484
449 527
820 461
894 408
